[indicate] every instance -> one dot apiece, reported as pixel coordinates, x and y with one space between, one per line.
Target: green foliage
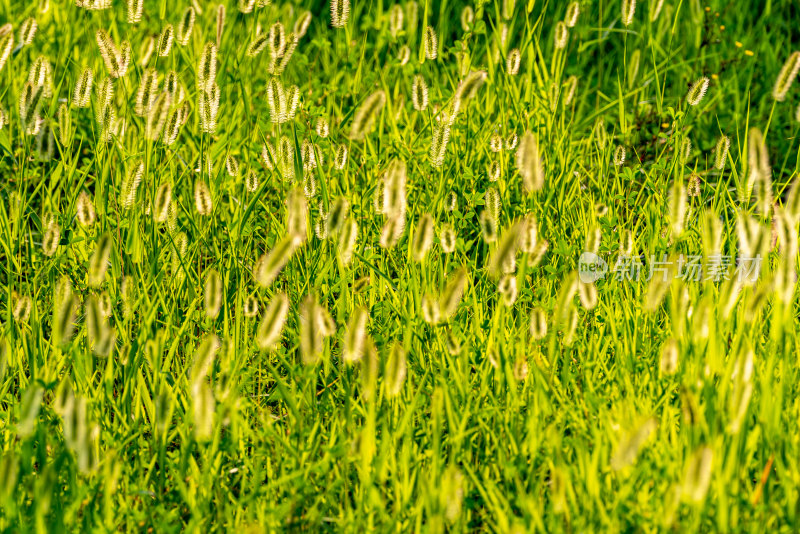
226 304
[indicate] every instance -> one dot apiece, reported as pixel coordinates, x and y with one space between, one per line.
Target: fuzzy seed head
135 9
619 156
165 40
27 31
367 114
348 237
202 198
467 18
419 93
355 336
341 157
272 322
786 77
130 185
403 55
423 237
340 12
212 294
439 142
6 45
513 61
98 264
431 43
697 91
186 26
721 152
51 238
84 210
301 24
529 163
395 20
162 203
628 10
266 270
395 370
207 67
571 17
322 128
83 89
560 35
447 238
452 294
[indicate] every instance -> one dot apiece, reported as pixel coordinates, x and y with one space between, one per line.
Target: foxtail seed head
528 234
655 9
395 370
431 43
529 163
272 322
22 309
628 10
507 287
162 202
130 185
340 13
212 295
220 23
496 142
560 35
419 93
451 296
447 238
267 268
135 9
165 40
439 141
697 477
571 17
467 18
301 24
513 61
697 91
202 198
786 77
721 152
504 255
355 336
337 215
6 45
311 337
296 215
27 31
367 114
83 89
51 238
147 93
423 237
207 67
348 236
84 210
186 26
538 324
98 264
395 20
341 157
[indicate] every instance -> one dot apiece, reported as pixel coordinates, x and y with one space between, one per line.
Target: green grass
492 429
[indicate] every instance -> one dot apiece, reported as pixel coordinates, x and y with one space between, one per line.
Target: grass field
428 266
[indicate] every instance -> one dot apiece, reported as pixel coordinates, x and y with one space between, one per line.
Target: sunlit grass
316 266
